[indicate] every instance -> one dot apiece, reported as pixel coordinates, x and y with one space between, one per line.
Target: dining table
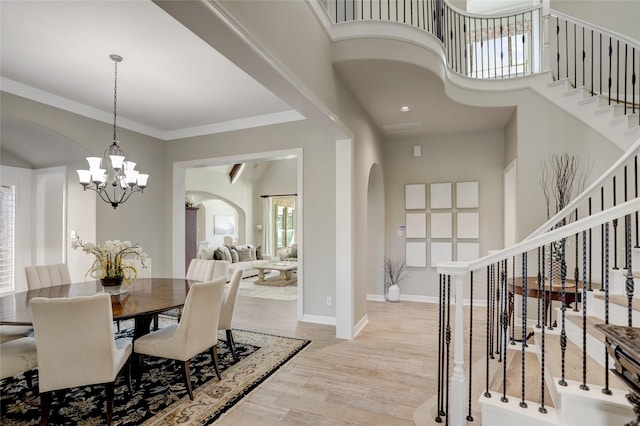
142 300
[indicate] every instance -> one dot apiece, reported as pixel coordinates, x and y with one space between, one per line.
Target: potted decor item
110 265
394 271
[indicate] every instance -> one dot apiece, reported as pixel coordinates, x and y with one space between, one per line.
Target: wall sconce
259 228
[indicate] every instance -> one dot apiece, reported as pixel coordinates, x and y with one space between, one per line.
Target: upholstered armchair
47 275
76 346
228 307
195 333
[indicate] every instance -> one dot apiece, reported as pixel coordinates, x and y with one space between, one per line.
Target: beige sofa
245 257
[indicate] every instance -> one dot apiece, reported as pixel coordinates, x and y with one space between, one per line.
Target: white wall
451 158
620 16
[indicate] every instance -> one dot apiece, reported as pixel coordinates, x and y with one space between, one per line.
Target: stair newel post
584 386
542 408
455 413
469 416
489 350
523 403
505 324
606 389
491 307
563 308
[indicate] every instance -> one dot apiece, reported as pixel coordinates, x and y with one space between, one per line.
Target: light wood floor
379 378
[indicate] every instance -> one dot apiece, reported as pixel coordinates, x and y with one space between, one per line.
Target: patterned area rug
161 397
248 288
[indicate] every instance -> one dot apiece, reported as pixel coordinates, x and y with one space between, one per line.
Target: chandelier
111 177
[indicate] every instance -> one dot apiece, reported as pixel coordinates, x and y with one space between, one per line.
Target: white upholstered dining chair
196 332
228 307
207 270
47 275
76 346
18 356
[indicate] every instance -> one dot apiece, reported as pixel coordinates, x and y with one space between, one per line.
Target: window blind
7 237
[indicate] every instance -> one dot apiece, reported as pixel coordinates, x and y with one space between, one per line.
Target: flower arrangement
110 256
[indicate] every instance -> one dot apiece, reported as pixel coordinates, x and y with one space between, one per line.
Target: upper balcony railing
516 45
476 46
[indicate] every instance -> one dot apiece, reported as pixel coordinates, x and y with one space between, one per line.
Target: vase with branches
561 180
394 271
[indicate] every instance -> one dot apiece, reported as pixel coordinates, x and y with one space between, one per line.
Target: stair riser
595 348
579 411
617 314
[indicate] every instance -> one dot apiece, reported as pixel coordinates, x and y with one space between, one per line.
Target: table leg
283 276
142 325
261 274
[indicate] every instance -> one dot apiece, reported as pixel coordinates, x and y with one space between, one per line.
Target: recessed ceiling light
404 108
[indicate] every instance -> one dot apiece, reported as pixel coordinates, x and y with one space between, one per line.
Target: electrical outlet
329 301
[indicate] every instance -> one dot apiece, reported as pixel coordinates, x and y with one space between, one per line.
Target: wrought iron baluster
615 230
584 386
542 408
590 250
576 273
469 416
448 340
510 307
563 308
489 350
523 403
602 245
635 173
499 302
539 276
505 324
606 389
440 348
629 286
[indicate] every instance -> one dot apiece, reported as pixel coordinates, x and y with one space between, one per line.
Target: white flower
110 256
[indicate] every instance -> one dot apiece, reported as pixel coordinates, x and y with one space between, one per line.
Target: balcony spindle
605 269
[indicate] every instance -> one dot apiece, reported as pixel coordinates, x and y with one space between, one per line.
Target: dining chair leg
186 373
214 357
128 373
28 376
232 345
110 387
138 372
45 405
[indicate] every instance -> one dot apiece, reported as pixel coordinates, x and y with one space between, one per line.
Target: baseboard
317 319
423 299
360 326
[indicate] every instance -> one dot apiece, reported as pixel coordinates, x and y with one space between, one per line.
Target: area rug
161 398
248 288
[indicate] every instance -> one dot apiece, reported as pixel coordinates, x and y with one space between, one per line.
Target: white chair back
200 270
47 275
75 341
229 301
197 330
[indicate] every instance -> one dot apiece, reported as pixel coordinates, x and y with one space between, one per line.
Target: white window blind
7 237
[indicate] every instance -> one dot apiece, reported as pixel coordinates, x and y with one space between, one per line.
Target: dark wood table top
146 296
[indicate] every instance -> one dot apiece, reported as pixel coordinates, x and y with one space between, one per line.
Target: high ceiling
171 84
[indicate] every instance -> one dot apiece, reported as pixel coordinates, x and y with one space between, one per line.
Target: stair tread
514 378
573 364
621 300
591 325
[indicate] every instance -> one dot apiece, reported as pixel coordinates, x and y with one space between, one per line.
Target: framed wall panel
415 196
416 225
440 252
441 225
467 195
441 195
467 252
416 254
468 225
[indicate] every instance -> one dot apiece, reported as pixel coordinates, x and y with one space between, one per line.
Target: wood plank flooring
380 377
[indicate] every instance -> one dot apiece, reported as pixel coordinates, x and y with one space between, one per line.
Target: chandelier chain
115 99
